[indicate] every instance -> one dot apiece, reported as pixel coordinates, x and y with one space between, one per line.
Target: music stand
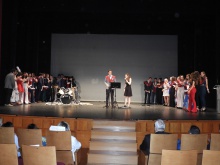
115 85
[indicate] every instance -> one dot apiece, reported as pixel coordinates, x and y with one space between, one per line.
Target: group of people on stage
26 88
184 92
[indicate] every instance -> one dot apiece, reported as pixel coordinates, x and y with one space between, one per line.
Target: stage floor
96 110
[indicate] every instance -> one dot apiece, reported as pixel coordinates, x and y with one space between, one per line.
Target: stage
96 110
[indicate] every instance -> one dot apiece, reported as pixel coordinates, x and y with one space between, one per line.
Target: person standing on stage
148 86
192 92
9 86
109 91
127 90
166 93
203 90
180 92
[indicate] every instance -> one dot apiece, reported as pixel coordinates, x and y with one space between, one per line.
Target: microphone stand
115 104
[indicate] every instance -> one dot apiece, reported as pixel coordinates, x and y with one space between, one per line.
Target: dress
166 90
192 101
128 90
172 92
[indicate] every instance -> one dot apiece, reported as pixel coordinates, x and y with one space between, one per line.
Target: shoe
203 109
8 105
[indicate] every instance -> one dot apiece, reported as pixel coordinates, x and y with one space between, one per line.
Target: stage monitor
115 85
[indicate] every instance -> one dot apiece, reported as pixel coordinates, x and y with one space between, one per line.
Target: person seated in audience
76 145
34 126
193 130
159 129
10 124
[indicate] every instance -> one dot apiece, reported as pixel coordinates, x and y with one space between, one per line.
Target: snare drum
61 91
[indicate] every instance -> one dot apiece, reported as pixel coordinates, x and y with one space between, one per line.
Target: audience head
159 125
32 126
64 124
194 130
7 124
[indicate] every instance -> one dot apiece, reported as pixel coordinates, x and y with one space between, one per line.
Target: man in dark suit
9 86
159 129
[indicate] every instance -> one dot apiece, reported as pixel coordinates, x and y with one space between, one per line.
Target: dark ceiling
117 16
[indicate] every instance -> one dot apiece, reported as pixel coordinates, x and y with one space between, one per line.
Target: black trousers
8 93
147 98
109 92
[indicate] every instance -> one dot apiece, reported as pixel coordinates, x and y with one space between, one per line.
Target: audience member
76 145
159 129
193 130
34 126
10 124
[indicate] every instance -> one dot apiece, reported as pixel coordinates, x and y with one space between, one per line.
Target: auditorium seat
195 142
158 142
35 155
7 135
210 157
8 154
178 157
215 142
29 136
62 141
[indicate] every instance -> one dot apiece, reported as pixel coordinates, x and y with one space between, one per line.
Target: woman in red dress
192 92
20 88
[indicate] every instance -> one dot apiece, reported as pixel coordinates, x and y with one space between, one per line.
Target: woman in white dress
166 94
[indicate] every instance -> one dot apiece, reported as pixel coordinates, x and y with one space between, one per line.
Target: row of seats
60 140
33 155
189 157
160 142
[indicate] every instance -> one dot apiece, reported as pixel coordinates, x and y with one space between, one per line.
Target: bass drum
66 99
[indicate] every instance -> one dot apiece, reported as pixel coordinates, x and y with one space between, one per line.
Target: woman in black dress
127 90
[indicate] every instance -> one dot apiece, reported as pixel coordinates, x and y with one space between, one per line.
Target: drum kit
65 96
